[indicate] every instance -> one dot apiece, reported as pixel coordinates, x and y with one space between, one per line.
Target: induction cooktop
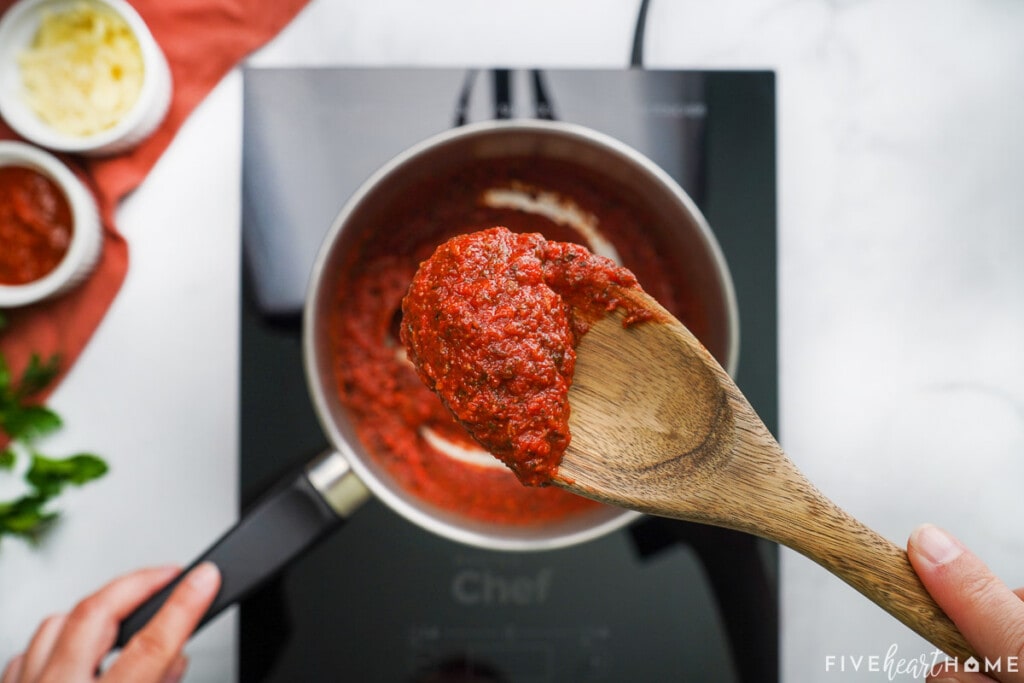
383 600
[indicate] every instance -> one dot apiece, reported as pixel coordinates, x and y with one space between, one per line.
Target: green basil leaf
5 378
29 422
26 516
38 375
7 459
49 475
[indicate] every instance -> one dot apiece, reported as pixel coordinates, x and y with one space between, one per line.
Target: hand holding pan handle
290 519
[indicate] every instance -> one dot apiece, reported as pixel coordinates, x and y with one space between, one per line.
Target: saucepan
309 504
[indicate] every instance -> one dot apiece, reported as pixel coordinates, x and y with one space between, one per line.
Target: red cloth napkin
202 40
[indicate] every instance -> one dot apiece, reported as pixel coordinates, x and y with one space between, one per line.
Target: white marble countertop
901 282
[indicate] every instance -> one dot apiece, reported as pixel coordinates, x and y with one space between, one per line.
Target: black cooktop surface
383 600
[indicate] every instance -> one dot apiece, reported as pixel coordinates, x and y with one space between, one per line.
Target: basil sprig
23 420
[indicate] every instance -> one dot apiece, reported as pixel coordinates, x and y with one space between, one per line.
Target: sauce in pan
401 423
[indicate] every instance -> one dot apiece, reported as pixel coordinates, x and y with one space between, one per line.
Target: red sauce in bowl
35 225
395 415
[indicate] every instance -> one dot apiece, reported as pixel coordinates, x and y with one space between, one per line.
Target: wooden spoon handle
874 566
781 504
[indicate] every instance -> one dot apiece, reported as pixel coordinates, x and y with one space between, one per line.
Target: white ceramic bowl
86 238
17 29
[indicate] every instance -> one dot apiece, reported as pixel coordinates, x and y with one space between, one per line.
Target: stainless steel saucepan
312 503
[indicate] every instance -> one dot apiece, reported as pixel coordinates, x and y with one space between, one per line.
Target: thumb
987 612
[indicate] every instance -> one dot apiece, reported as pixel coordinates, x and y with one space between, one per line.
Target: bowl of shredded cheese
81 76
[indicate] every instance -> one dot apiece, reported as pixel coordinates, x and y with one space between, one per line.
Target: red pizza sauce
35 225
397 418
491 323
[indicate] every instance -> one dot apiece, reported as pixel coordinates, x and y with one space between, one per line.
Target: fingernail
205 577
936 545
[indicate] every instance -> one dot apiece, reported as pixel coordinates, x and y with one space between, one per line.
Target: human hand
987 612
69 648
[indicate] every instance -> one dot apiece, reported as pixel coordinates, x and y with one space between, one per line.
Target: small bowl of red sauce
50 234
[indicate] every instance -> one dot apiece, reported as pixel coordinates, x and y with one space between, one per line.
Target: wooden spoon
658 426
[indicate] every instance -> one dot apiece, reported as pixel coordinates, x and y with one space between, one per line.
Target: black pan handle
293 517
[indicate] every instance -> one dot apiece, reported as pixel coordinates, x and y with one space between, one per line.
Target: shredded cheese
83 70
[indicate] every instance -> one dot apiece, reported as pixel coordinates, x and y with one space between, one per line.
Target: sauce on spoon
491 322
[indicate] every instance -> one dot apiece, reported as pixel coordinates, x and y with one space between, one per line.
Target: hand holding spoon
653 423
